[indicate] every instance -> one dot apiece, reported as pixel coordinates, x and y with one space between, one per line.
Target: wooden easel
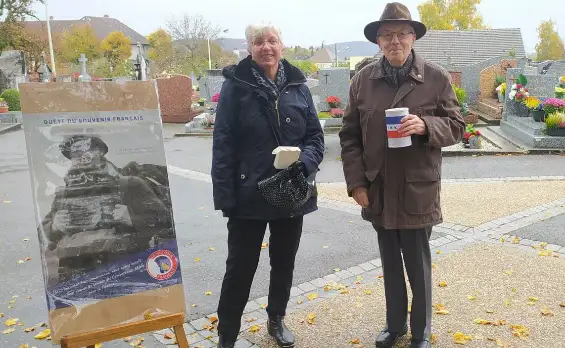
89 339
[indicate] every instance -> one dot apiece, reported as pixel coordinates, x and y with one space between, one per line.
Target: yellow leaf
310 318
489 311
98 345
471 297
43 334
208 293
520 331
562 304
211 249
507 302
8 331
29 329
254 328
196 259
409 308
325 247
545 253
443 284
546 312
250 320
24 345
312 296
147 315
516 240
461 338
359 278
508 272
337 269
1 315
6 202
531 303
11 321
438 252
343 292
300 302
482 321
264 246
433 339
502 239
213 319
533 299
20 262
263 306
434 265
193 305
26 239
443 312
439 306
355 341
368 292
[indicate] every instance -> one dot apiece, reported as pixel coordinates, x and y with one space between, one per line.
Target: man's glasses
400 35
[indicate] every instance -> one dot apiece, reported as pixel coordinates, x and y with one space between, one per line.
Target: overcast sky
304 23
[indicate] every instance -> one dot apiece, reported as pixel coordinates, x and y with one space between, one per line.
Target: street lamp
209 54
53 67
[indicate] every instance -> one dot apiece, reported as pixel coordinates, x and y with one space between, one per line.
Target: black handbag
289 189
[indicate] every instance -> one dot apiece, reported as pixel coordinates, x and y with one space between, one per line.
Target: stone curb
11 128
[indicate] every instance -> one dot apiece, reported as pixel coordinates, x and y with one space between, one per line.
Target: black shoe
282 335
387 339
223 342
420 344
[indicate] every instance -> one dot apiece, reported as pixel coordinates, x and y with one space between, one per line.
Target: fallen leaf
461 338
264 306
196 259
43 334
532 303
8 331
337 269
507 302
6 202
502 239
355 341
12 302
516 240
471 297
438 252
325 247
409 308
546 312
508 272
20 262
562 304
443 312
1 315
434 265
147 315
264 246
28 297
98 345
482 321
344 291
211 249
359 278
489 311
193 305
29 329
213 319
208 293
443 284
312 296
250 320
310 318
300 302
24 345
520 331
127 339
169 335
137 342
26 239
535 299
368 292
433 339
254 328
545 253
380 276
11 322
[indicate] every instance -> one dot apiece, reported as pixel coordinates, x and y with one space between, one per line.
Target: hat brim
372 28
96 143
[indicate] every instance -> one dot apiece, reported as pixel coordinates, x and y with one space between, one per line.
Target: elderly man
398 188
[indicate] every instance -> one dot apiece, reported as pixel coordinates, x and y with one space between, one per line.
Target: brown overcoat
404 183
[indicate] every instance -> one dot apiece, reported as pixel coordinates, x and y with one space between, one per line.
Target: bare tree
192 32
15 10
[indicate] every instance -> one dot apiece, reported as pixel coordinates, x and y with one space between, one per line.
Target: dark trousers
244 248
414 247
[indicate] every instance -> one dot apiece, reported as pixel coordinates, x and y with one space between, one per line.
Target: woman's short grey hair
254 31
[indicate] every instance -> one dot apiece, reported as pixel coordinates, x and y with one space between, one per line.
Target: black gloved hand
298 167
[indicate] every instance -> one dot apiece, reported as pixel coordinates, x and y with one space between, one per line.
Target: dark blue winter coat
244 140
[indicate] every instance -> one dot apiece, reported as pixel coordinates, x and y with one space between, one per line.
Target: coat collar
417 71
242 72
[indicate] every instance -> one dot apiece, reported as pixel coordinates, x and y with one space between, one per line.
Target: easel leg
181 336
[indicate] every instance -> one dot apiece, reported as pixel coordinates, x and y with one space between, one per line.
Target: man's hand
121 214
412 124
361 196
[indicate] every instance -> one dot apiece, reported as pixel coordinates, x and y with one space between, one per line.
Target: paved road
550 231
350 240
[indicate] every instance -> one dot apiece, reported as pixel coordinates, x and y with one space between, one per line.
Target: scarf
396 76
273 88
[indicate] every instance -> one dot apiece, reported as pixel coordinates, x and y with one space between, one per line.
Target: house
323 58
456 49
102 26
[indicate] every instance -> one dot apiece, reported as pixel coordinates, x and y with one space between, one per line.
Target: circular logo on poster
161 265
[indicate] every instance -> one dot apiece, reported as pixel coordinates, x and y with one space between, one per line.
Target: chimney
51 18
106 16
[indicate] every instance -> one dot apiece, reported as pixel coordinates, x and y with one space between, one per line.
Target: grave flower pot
475 142
3 109
556 132
500 97
522 110
538 115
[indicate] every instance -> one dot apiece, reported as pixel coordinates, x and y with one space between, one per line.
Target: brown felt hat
394 12
95 142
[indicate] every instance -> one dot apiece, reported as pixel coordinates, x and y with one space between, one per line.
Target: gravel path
472 204
508 284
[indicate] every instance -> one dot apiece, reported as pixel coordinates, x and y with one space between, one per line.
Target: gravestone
175 99
557 68
83 77
12 69
333 82
64 78
211 83
195 126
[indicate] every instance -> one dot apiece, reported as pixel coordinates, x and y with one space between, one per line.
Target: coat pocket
375 207
421 191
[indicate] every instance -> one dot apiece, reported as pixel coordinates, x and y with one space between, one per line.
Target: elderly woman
264 103
398 188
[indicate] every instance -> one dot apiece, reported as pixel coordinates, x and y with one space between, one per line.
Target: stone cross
326 76
84 77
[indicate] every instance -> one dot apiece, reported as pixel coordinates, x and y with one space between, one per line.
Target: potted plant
3 106
201 101
472 137
501 91
333 102
535 107
518 93
552 105
336 113
461 95
497 82
555 124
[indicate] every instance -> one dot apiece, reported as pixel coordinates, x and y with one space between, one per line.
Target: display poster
102 203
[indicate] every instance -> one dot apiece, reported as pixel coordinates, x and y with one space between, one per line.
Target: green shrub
499 80
12 97
324 114
461 94
555 120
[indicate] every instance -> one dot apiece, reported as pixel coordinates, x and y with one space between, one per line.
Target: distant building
102 26
323 58
353 61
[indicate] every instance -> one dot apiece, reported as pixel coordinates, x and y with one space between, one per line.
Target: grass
324 114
